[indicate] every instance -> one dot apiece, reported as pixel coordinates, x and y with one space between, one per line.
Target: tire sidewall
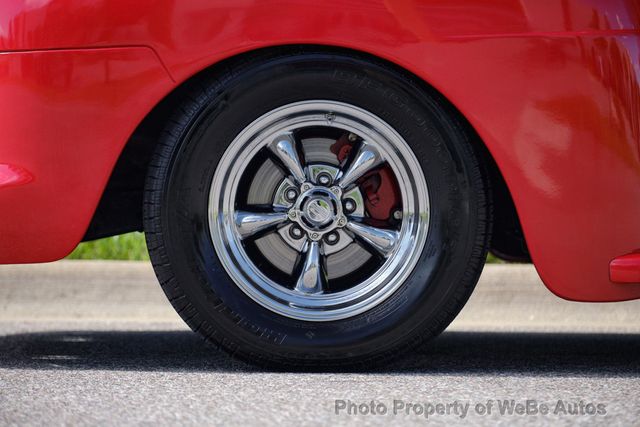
419 307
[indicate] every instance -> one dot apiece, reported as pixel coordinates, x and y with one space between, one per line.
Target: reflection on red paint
12 175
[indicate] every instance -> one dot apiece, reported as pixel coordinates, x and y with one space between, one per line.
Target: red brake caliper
381 195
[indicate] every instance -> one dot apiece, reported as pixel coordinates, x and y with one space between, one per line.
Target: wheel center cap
318 211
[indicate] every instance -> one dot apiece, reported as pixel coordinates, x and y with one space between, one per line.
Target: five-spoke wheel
293 217
311 208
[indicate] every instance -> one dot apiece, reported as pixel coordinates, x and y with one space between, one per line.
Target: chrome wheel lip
398 264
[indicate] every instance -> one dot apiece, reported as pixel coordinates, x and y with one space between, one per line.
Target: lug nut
349 205
397 215
296 232
315 236
324 179
342 222
292 214
332 238
306 186
291 194
352 137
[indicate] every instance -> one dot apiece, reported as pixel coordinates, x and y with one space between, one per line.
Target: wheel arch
120 208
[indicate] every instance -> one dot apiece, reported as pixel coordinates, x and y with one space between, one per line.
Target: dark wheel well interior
120 208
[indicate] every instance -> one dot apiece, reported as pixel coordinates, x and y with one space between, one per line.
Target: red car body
551 88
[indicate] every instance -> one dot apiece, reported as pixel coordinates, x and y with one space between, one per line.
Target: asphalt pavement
96 343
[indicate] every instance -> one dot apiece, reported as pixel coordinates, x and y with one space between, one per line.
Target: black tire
176 198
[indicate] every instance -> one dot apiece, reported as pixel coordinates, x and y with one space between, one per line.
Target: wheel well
120 208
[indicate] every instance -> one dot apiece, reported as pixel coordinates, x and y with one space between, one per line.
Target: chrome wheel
318 210
301 234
